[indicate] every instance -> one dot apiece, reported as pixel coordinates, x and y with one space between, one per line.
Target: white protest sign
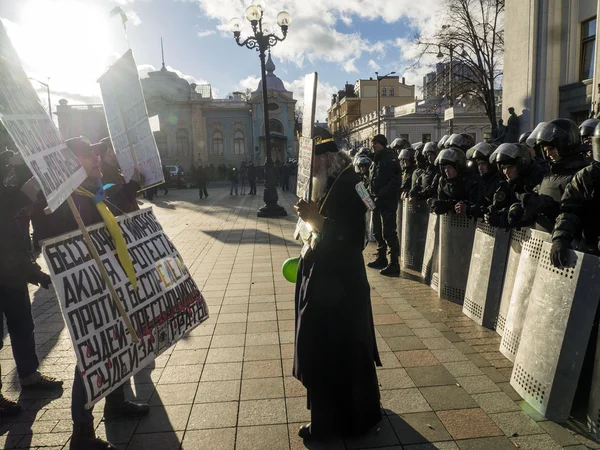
128 123
305 154
37 139
165 306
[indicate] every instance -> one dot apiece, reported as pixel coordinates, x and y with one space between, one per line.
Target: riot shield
556 332
429 269
415 217
593 415
486 274
522 291
399 224
457 232
510 273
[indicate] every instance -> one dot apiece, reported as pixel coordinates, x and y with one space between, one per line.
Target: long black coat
335 336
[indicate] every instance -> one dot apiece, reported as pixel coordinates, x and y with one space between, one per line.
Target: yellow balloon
290 268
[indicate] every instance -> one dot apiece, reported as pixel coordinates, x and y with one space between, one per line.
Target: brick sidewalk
444 385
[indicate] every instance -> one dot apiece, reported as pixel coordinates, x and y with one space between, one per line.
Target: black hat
380 139
324 142
81 146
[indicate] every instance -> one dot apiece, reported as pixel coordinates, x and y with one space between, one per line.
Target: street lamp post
47 86
262 40
379 99
451 47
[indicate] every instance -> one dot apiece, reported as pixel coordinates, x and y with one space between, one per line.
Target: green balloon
290 268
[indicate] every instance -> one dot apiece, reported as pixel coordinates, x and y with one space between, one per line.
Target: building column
596 84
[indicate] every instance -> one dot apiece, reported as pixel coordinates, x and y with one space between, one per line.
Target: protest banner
305 154
165 305
128 123
34 133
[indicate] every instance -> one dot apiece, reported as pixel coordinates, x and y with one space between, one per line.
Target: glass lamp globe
253 13
260 3
267 28
235 25
284 19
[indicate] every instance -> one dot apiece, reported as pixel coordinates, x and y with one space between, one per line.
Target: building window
404 136
217 144
426 137
275 126
392 92
383 92
239 147
182 142
161 143
588 48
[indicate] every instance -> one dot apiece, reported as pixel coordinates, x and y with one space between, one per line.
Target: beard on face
329 169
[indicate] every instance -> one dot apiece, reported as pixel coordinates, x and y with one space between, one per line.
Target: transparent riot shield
415 218
429 269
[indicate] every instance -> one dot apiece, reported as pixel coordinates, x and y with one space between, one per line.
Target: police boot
392 269
84 438
379 263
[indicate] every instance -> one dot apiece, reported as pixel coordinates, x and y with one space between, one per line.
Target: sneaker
43 383
8 408
391 270
379 263
125 409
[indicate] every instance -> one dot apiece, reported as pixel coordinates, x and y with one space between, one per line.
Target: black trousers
252 184
384 230
202 189
16 308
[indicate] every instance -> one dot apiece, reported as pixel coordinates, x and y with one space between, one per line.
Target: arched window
239 145
275 126
161 142
217 144
183 142
383 92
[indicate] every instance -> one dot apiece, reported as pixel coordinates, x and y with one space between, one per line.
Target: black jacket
461 188
578 217
407 179
487 188
385 177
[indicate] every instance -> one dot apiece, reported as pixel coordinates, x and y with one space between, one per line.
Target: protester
17 269
111 172
335 350
202 180
252 178
233 178
285 177
167 177
385 182
62 221
243 176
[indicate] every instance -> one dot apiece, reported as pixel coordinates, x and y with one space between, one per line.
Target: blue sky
73 41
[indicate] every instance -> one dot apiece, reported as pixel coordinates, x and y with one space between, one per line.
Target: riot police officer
441 145
425 184
455 183
408 164
462 141
400 144
362 165
385 184
488 183
586 131
421 162
579 206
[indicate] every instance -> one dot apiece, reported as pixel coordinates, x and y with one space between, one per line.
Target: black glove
559 253
515 214
496 218
37 277
440 207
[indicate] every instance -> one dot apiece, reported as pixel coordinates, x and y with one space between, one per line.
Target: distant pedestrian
167 177
285 177
243 177
233 178
252 178
202 179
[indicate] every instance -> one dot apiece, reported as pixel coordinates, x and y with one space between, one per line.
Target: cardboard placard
37 139
165 306
305 156
128 122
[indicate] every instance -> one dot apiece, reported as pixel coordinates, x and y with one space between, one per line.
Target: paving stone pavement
444 385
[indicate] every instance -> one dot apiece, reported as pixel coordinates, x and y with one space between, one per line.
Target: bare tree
471 46
343 137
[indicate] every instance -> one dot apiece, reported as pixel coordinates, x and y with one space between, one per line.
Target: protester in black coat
202 180
385 185
335 348
252 178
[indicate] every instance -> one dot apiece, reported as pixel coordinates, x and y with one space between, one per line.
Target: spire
270 66
162 52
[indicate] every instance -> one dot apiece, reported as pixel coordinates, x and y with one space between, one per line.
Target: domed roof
273 82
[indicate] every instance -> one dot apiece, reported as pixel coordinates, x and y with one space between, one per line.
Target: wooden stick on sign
92 249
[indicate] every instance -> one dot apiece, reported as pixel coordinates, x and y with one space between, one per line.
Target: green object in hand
290 268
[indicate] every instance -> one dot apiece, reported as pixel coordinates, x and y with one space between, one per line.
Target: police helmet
362 161
561 134
364 151
430 147
480 151
442 142
531 141
596 143
511 155
418 146
407 154
462 141
400 143
587 128
523 138
453 157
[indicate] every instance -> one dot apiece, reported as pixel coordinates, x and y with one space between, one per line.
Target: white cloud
206 33
313 35
373 65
